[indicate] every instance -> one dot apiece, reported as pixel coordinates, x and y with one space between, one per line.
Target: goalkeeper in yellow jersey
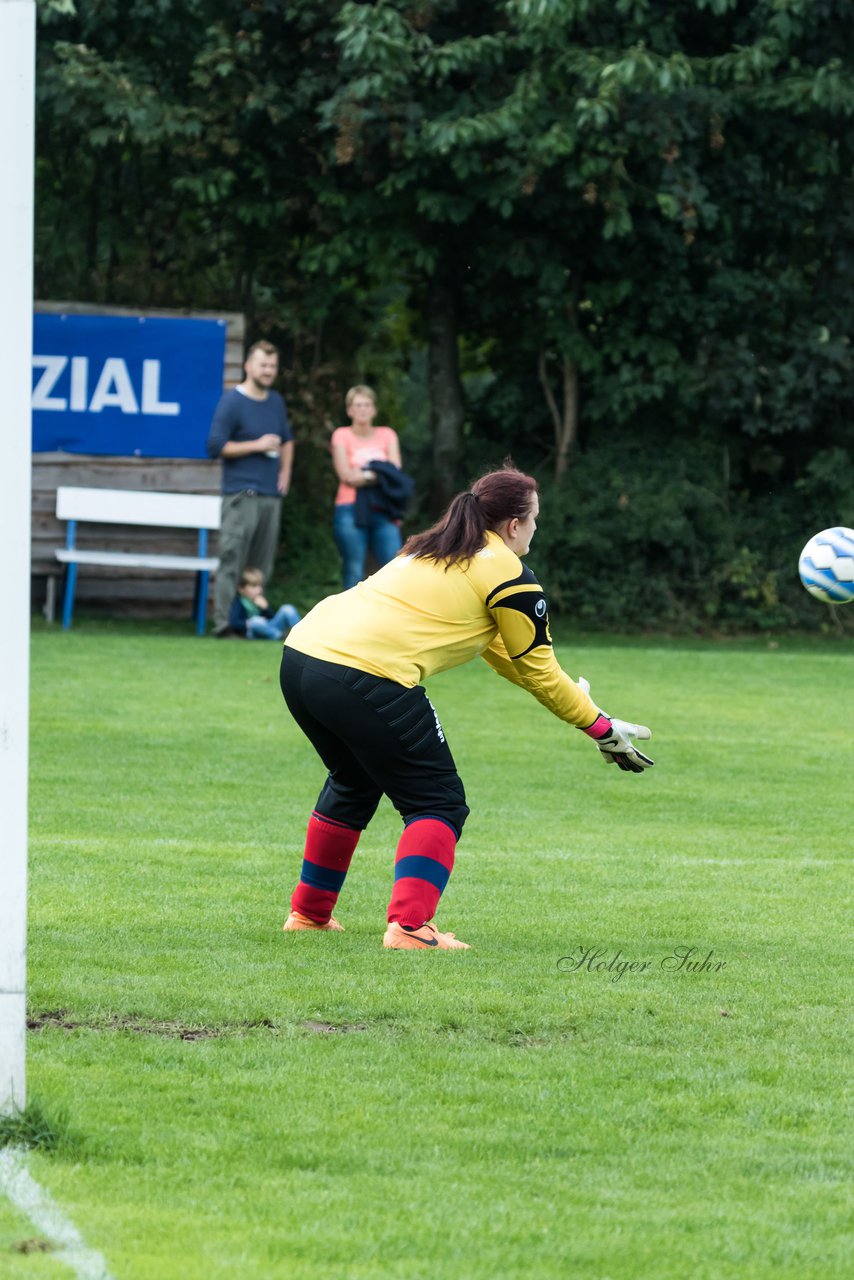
351 677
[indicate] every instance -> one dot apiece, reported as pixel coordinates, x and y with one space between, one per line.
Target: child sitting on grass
251 616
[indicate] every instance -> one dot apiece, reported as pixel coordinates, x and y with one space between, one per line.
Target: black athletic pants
374 736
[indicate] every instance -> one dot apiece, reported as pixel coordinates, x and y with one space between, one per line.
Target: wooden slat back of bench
139 507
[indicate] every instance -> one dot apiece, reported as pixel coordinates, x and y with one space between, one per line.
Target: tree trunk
564 416
446 392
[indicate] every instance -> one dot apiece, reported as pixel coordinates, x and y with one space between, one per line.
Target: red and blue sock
329 846
422 865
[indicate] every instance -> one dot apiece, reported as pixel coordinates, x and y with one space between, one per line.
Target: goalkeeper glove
614 739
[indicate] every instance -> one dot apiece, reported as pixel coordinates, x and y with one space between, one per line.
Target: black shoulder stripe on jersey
526 578
529 605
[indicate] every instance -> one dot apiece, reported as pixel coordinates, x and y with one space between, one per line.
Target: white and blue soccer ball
826 566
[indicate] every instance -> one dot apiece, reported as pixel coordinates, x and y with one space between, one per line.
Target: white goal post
17 105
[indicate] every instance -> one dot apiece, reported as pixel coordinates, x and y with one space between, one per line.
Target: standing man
251 433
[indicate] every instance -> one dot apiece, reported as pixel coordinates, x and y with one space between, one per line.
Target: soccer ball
826 566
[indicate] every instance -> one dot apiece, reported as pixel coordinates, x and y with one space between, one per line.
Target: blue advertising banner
139 386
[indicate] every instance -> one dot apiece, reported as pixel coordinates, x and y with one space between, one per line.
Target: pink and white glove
614 739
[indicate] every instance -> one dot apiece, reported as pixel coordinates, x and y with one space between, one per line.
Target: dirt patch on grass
33 1246
333 1028
141 1026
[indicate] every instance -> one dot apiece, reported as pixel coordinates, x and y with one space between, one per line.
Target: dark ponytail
496 497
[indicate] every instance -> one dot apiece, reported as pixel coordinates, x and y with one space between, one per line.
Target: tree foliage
621 230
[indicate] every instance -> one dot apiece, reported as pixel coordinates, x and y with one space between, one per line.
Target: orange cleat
297 921
399 939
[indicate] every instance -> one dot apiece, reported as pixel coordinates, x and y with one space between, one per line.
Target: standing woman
353 449
351 676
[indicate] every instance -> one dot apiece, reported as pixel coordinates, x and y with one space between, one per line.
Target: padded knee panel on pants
345 804
450 807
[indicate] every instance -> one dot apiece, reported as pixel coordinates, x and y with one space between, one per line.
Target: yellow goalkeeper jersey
415 617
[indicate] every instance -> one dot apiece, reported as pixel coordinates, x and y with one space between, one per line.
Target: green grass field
240 1103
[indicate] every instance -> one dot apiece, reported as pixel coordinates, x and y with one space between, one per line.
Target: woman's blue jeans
382 536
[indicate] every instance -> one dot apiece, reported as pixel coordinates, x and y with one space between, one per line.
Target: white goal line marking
44 1213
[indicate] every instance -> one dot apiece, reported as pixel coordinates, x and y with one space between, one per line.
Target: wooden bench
138 507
